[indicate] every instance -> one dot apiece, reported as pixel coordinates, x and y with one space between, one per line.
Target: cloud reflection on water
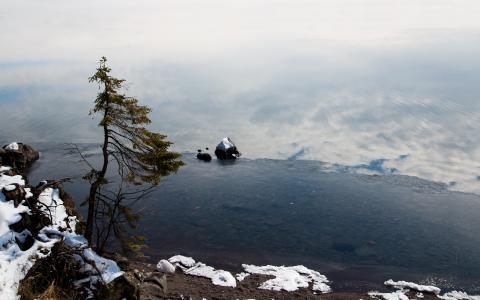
347 101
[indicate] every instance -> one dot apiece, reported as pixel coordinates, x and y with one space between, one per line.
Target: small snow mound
224 278
397 295
182 261
290 278
4 169
165 266
405 286
410 285
202 270
9 187
12 146
241 276
190 267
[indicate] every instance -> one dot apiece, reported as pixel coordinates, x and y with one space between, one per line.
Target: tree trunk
96 184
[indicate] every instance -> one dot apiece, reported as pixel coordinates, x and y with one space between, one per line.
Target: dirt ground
181 286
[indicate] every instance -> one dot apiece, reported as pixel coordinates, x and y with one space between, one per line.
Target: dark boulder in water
226 149
204 156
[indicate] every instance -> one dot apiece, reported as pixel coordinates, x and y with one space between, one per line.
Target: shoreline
192 286
182 286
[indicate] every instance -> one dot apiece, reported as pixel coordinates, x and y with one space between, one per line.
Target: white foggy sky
188 29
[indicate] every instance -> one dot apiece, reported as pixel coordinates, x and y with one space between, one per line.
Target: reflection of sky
341 82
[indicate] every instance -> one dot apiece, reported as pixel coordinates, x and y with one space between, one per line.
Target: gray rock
153 287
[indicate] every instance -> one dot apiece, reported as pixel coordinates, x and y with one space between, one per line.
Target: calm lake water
368 87
357 229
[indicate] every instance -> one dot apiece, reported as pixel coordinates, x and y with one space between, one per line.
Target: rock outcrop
19 156
226 149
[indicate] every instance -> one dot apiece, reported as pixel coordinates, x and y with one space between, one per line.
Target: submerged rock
226 149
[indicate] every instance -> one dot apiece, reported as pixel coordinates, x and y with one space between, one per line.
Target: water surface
359 230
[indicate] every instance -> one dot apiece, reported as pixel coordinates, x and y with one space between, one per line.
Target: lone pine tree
141 156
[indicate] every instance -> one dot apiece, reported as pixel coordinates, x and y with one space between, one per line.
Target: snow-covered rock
18 155
226 149
15 263
165 266
12 146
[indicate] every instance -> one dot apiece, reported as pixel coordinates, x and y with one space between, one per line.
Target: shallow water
357 229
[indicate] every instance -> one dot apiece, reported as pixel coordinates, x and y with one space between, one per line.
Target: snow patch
225 144
190 267
286 278
165 266
224 278
11 180
456 295
15 263
397 295
181 260
9 187
405 286
12 146
410 285
241 276
4 169
290 278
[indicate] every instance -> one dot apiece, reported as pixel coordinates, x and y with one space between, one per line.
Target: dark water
359 230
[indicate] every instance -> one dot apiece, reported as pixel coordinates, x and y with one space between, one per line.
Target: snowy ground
15 263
